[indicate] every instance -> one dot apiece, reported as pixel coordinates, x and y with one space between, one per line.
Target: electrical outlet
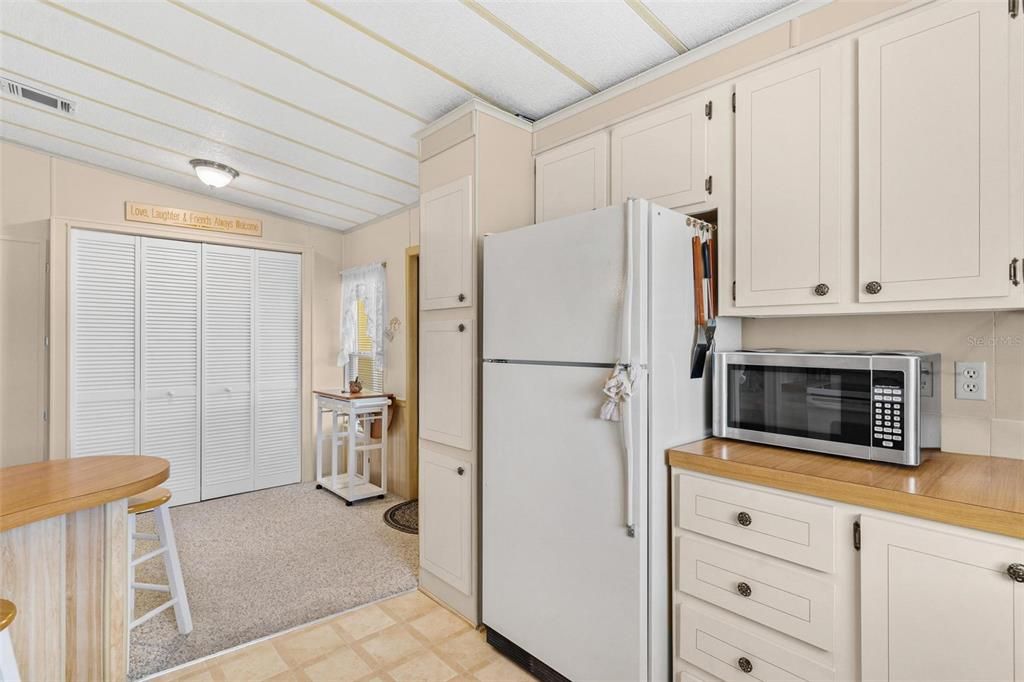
971 381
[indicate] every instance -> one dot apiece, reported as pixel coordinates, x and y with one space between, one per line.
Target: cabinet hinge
1014 8
734 290
856 535
734 102
47 266
46 417
707 184
46 342
1015 272
707 110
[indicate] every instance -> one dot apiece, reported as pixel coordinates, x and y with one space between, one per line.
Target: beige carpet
259 563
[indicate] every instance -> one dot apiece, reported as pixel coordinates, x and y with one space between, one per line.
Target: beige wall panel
414 226
447 166
449 136
505 166
997 339
838 15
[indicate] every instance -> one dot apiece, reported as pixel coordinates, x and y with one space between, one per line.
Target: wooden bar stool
156 500
8 664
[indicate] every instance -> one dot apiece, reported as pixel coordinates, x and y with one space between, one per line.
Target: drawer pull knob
460 471
1016 571
743 589
873 287
743 518
745 664
462 327
821 290
462 297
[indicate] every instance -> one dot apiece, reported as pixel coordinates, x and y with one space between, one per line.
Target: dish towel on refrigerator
618 388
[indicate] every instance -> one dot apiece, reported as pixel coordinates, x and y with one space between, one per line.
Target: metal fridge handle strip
625 353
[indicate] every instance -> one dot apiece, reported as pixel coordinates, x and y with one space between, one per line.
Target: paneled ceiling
316 102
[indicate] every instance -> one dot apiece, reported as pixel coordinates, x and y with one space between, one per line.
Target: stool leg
8 663
173 566
131 568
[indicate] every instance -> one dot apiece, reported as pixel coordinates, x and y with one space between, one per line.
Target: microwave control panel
887 393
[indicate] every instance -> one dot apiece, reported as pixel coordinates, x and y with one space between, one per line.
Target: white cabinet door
277 457
572 178
788 164
939 606
170 353
933 130
662 155
447 247
446 513
227 371
104 371
447 352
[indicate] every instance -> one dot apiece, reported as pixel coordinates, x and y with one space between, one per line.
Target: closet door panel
227 460
278 364
170 353
104 336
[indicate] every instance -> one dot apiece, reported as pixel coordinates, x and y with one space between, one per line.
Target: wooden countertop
984 493
33 492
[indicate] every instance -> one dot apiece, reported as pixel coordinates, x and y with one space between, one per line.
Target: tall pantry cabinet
190 352
476 177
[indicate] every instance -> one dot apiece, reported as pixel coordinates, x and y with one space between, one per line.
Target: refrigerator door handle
625 359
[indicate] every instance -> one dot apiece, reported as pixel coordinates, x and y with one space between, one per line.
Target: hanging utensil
709 284
700 348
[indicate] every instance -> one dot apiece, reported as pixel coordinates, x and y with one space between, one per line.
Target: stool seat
7 613
151 499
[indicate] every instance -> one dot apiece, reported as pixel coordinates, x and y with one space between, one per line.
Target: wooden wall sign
162 215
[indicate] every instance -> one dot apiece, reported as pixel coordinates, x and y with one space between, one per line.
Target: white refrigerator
576 530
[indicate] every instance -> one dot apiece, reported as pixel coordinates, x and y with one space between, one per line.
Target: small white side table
360 411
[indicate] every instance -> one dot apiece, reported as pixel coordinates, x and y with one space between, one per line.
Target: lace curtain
366 283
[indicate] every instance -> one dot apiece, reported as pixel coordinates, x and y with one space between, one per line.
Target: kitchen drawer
724 650
787 598
793 529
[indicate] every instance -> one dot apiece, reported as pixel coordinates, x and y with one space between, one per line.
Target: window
363 363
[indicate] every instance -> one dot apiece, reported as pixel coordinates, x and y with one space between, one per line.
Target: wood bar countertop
33 492
983 493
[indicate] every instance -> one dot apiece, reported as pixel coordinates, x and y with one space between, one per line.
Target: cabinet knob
743 589
462 327
1016 571
743 518
170 394
462 297
460 471
873 287
745 664
821 290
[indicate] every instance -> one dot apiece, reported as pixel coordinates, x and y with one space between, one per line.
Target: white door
170 352
939 607
933 131
447 350
278 366
572 178
561 577
446 517
553 291
228 303
788 165
104 376
447 248
661 155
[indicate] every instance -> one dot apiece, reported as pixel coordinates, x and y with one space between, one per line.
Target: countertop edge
951 512
24 517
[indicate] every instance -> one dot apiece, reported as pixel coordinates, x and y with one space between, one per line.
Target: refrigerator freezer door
561 577
553 291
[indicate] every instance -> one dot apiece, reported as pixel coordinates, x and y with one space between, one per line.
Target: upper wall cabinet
934 157
662 155
573 178
446 246
788 166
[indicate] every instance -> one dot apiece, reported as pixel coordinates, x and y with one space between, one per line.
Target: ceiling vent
16 89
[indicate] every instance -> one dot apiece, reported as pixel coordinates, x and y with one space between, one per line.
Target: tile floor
408 638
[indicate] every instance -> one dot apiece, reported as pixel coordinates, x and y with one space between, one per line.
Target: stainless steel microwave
876 406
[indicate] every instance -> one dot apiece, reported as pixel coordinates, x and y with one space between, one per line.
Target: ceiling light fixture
213 174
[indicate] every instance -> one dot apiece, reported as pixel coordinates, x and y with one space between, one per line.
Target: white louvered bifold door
104 336
170 353
227 371
278 362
